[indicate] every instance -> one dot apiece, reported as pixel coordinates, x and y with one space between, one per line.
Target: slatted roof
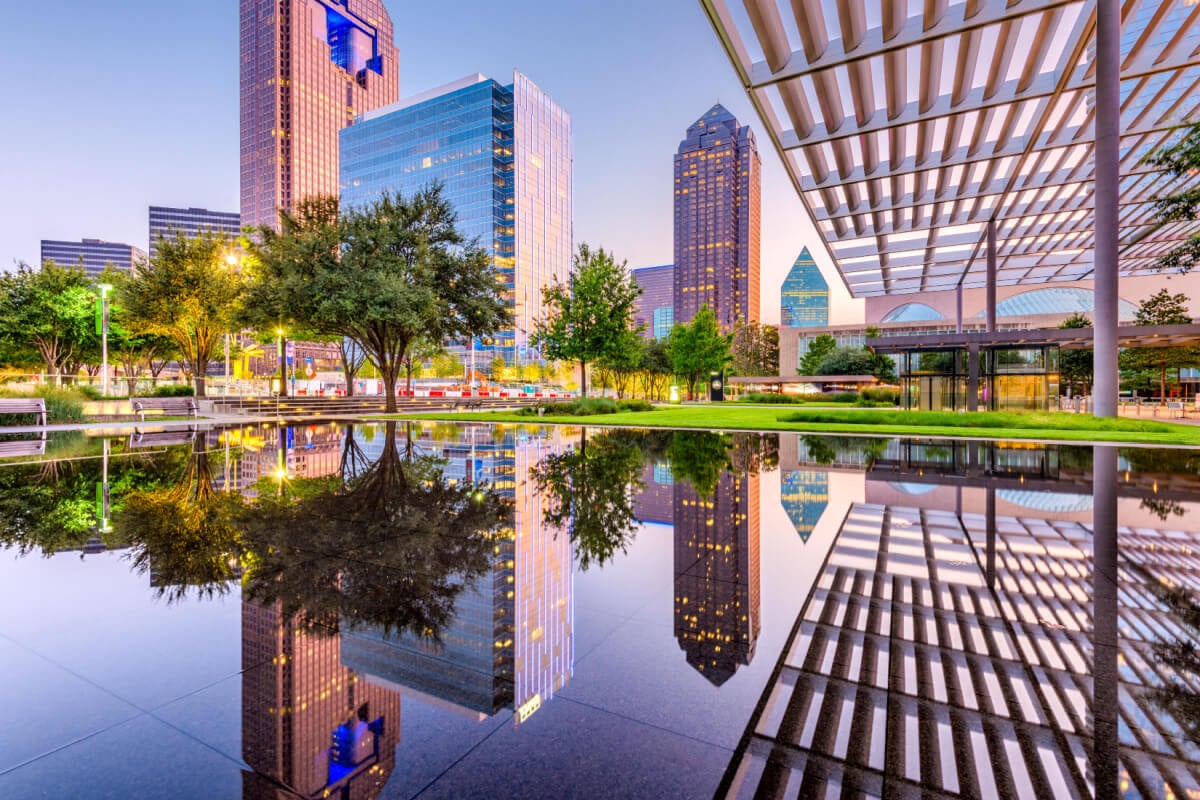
906 125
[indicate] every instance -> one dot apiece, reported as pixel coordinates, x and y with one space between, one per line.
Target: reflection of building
717 251
717 575
310 725
510 641
805 495
655 306
93 256
655 502
307 68
911 670
503 154
804 298
190 222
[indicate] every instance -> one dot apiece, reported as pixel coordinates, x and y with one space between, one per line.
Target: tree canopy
755 349
49 311
698 349
589 318
1076 366
1161 308
818 348
1180 160
382 275
188 294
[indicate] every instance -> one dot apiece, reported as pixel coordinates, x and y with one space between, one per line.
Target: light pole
104 288
231 262
282 362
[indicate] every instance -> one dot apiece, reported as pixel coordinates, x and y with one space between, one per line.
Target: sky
113 107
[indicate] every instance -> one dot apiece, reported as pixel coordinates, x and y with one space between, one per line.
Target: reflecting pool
437 610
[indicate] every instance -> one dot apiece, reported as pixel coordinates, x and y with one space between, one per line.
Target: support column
1105 634
973 377
991 276
1108 129
958 319
989 515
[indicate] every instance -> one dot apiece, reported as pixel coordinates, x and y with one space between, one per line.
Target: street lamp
282 362
231 262
104 288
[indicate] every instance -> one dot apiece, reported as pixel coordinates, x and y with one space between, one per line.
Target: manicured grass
988 425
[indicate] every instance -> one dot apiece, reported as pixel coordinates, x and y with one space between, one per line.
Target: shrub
841 397
62 405
771 398
881 395
587 407
172 390
634 405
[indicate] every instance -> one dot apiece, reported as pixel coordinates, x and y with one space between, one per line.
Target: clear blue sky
111 107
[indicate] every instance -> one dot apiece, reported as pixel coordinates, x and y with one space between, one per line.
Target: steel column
1108 160
958 319
1105 632
991 276
972 377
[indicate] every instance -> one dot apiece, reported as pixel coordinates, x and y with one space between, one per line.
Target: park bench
26 447
167 405
473 404
22 405
162 438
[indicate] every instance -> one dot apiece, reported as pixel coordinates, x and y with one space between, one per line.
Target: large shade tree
589 318
698 349
1076 366
383 275
187 293
1161 308
755 348
1180 160
51 311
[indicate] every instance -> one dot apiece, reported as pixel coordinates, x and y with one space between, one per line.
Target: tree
136 350
590 317
383 275
656 368
1161 308
755 348
420 350
1179 160
498 367
52 311
818 348
186 293
1075 366
847 361
698 349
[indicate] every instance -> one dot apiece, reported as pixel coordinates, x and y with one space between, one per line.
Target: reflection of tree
1163 509
755 452
1178 698
589 490
392 549
831 449
699 458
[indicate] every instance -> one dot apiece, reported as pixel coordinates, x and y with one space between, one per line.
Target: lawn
987 425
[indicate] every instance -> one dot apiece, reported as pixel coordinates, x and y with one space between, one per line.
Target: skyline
183 151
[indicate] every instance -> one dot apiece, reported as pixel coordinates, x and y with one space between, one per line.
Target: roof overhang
906 133
1065 338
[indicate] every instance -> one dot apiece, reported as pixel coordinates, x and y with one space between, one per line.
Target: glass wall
1010 379
1023 379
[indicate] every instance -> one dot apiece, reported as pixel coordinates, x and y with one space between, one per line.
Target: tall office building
168 222
93 255
655 308
717 617
503 154
804 298
717 248
308 67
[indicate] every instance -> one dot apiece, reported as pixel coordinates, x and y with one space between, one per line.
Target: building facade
655 307
168 222
308 67
717 220
804 298
504 158
92 255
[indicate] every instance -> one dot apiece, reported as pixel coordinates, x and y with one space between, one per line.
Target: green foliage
841 397
881 395
63 406
857 361
818 349
1161 308
587 407
755 349
773 399
49 312
590 317
1179 160
186 293
383 275
171 390
698 349
1076 366
699 458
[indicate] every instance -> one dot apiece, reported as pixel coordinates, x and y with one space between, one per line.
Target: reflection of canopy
912 488
1049 502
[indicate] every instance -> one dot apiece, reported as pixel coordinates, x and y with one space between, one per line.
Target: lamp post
282 362
231 262
104 288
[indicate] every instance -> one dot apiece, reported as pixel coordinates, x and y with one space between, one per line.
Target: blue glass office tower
503 154
804 299
655 307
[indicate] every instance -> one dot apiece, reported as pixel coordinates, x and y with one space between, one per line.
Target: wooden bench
167 405
162 438
473 404
27 447
22 405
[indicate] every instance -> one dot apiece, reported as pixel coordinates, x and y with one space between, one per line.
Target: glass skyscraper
655 307
717 218
308 67
503 155
92 255
804 299
167 222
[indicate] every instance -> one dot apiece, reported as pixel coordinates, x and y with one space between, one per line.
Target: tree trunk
389 372
583 379
200 380
1162 386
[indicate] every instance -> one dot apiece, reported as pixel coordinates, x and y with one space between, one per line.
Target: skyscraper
655 308
804 298
308 67
717 189
93 255
503 154
167 222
